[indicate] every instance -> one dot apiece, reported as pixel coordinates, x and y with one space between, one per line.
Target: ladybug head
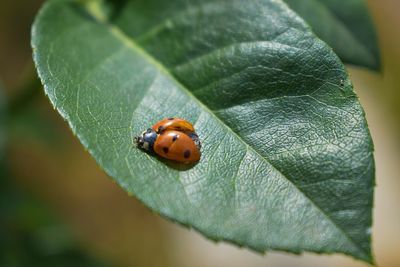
146 140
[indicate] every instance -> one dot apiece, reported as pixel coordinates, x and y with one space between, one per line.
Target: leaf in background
287 158
29 234
345 25
3 132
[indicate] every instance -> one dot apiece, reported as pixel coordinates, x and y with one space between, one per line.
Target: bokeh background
57 208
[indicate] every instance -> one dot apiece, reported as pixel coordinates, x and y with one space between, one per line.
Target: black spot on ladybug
165 149
186 154
174 138
170 119
160 129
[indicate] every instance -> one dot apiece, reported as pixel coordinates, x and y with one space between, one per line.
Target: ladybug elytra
173 124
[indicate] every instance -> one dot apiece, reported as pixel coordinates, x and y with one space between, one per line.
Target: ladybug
176 124
171 138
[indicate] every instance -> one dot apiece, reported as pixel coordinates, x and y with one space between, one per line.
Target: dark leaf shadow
170 163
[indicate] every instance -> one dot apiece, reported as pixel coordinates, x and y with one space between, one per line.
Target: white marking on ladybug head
145 145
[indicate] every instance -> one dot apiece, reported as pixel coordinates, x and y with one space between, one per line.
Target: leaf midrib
131 44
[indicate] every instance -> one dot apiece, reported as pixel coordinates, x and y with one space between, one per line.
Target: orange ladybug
177 146
176 124
165 140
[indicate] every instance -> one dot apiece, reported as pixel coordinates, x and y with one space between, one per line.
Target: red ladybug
171 138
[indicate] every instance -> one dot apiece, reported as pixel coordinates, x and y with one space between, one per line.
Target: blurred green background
57 208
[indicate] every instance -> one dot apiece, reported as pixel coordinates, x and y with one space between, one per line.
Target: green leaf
287 158
345 25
